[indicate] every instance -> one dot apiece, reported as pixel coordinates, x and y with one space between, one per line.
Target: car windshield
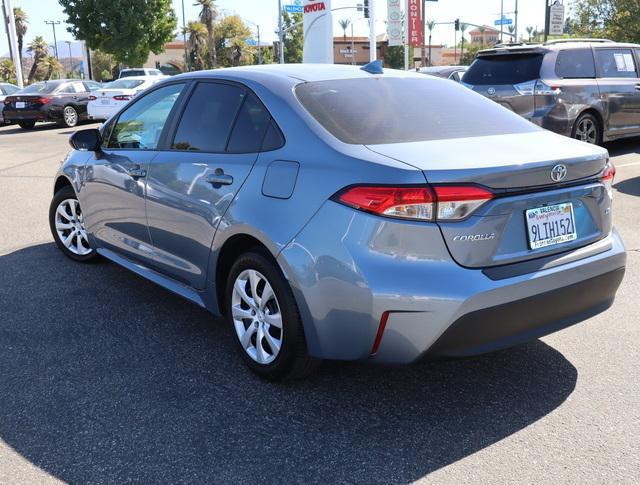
378 110
40 88
504 69
124 84
132 72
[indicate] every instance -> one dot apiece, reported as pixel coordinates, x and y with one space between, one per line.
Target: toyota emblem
558 173
491 91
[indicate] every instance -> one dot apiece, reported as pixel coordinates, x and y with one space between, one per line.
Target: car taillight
457 202
425 203
44 99
542 88
608 175
122 98
7 102
92 98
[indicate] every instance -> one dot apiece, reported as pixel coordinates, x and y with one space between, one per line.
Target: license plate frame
555 222
105 101
21 105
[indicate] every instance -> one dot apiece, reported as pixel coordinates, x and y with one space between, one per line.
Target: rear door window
615 63
575 64
251 125
208 117
504 69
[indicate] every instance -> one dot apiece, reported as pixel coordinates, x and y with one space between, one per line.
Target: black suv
588 89
62 100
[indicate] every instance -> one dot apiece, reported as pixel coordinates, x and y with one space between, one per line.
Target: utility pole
53 24
13 38
501 17
5 21
280 34
372 33
68 42
184 40
546 19
516 22
405 25
423 62
259 48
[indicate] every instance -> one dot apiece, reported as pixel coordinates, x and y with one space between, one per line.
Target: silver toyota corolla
334 212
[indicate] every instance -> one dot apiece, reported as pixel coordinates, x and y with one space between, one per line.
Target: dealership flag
414 23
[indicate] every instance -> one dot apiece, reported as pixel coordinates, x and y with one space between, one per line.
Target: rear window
124 84
575 64
132 72
504 69
378 110
38 88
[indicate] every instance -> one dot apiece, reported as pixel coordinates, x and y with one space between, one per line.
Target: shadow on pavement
623 147
629 186
105 377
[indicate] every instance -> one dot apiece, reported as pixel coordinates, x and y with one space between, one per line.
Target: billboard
414 22
317 26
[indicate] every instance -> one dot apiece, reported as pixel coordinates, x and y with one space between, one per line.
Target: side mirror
86 140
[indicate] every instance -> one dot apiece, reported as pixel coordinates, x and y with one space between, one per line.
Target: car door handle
219 178
136 172
637 87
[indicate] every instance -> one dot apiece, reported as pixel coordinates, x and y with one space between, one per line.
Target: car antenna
374 67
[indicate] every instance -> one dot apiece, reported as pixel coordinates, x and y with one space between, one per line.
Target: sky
265 14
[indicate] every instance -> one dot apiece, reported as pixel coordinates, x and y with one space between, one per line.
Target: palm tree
39 49
512 29
21 28
430 25
52 66
7 71
238 51
529 31
196 43
344 23
207 16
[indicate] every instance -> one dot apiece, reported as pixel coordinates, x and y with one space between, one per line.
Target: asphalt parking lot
107 378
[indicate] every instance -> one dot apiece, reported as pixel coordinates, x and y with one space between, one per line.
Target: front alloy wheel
67 226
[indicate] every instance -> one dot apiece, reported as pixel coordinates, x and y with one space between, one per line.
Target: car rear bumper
17 116
369 270
97 112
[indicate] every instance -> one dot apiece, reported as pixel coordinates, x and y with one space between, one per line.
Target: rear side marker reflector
423 202
381 327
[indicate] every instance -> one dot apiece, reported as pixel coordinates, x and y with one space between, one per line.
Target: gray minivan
587 89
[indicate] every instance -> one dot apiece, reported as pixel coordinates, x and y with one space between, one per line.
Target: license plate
105 100
550 225
20 104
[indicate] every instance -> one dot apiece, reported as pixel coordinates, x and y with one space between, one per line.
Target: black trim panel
523 320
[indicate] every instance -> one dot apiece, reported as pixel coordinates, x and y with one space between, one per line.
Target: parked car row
108 100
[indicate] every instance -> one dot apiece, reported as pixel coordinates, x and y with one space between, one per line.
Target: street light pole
13 38
68 42
501 16
372 33
280 34
184 40
53 24
424 37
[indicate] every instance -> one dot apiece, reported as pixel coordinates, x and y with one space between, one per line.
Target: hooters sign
317 26
414 22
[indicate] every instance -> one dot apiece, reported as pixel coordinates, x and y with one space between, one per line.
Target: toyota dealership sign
318 32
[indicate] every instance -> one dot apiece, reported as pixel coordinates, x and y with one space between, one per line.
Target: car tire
27 125
67 226
587 128
70 116
272 352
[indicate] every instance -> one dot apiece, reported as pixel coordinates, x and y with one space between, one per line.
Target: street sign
556 19
503 21
293 8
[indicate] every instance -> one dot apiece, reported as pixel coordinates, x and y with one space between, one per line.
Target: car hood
499 161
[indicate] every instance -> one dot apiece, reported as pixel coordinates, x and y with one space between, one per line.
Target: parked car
586 89
141 71
5 90
454 73
63 101
109 99
331 212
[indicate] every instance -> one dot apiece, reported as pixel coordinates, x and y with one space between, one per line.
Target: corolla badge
491 91
558 172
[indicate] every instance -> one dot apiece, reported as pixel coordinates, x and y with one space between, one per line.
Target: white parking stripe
627 164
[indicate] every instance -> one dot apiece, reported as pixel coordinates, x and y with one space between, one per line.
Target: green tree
468 57
39 49
293 38
21 28
394 57
231 36
196 44
617 20
51 67
127 29
7 71
103 65
207 16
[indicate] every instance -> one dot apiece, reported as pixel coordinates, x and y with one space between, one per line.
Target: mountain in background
63 50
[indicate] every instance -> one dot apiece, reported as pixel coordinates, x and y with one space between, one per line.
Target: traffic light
457 24
366 9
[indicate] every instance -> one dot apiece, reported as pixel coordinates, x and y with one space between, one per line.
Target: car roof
137 78
557 45
296 73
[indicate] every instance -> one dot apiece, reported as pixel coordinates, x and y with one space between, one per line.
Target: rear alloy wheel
67 226
264 317
587 129
27 125
69 116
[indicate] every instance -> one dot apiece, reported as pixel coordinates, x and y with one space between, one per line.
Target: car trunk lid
517 168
